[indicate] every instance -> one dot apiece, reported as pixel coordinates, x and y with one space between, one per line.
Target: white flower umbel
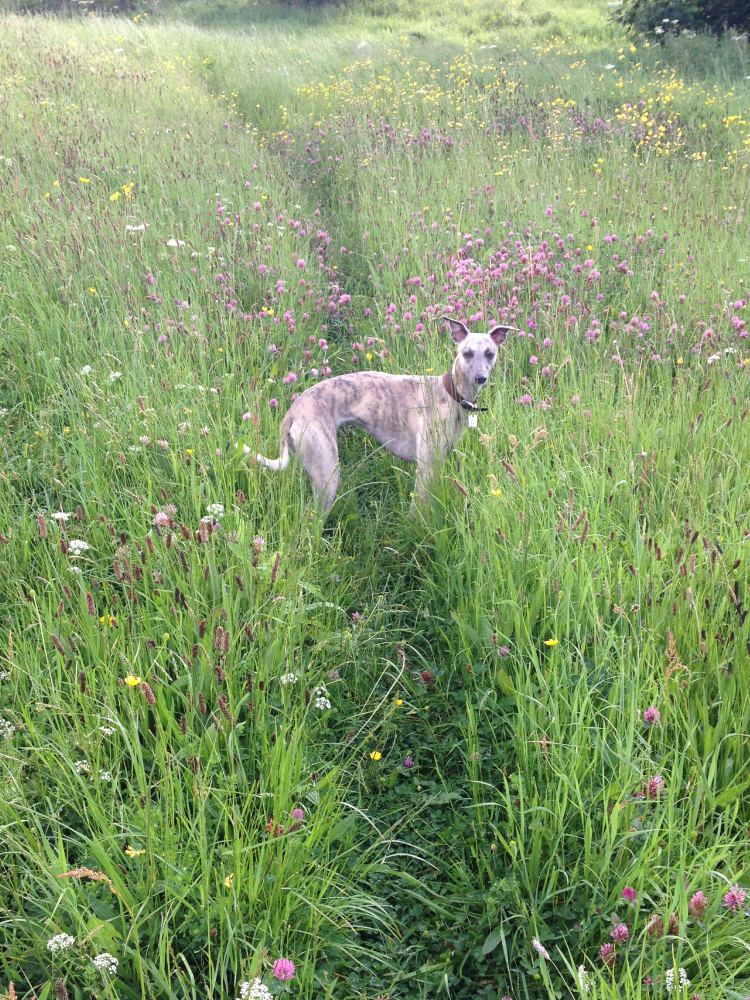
60 942
255 991
288 679
7 729
215 509
106 963
77 546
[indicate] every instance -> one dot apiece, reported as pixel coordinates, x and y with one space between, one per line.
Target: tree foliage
662 16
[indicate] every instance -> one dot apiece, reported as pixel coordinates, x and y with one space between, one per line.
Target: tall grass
396 751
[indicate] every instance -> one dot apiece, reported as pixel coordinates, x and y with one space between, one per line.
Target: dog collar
450 387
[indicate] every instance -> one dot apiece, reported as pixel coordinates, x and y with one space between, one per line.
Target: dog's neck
467 390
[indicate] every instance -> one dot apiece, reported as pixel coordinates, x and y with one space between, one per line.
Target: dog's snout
481 379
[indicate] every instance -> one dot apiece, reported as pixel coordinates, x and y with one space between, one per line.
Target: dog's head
477 352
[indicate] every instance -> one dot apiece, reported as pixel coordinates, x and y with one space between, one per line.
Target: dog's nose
481 379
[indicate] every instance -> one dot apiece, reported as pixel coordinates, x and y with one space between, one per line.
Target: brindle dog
418 418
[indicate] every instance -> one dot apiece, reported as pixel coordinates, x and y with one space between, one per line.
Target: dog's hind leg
317 450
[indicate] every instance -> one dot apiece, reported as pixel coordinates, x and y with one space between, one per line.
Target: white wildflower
3 411
60 515
175 243
114 376
60 942
4 675
583 979
669 979
77 546
288 679
86 370
255 991
76 569
7 729
215 509
136 229
82 766
537 945
106 730
105 775
106 963
322 704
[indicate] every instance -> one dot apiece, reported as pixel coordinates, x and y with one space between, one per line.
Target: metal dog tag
472 420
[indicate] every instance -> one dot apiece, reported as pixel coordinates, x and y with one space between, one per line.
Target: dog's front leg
425 472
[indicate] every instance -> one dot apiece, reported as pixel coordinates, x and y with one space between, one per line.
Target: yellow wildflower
376 755
133 853
114 196
399 702
85 180
132 681
551 642
229 881
109 620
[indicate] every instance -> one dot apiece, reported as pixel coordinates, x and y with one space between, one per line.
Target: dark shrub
665 16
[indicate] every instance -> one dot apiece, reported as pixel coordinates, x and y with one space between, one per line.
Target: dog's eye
489 355
468 355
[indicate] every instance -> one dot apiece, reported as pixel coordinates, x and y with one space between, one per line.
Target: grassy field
496 750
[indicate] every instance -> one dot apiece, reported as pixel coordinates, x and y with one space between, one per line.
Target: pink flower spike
630 894
698 905
652 716
654 787
537 945
283 969
607 954
161 519
734 899
620 933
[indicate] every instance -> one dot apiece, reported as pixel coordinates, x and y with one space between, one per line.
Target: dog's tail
276 463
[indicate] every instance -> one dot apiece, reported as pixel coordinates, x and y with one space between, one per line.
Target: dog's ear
458 329
499 334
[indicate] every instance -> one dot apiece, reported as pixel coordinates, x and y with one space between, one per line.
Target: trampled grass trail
499 750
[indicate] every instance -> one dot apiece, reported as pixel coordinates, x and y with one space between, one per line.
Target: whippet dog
418 418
